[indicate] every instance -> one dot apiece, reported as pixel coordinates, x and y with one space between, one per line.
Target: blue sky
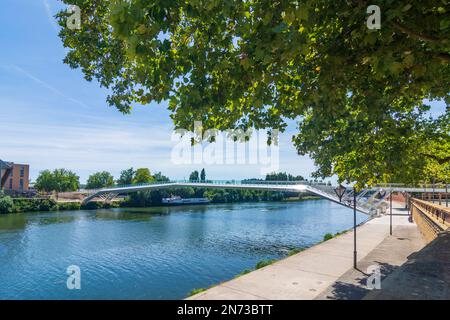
53 118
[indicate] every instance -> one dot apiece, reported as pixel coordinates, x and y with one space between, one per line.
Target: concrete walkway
389 255
312 273
425 276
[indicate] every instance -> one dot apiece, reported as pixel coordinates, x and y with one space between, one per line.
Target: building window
11 173
21 184
10 184
22 171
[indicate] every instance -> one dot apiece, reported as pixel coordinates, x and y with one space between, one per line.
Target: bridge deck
364 204
268 186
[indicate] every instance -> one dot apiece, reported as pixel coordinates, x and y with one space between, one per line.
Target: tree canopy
358 93
100 180
143 175
126 177
203 175
59 180
283 176
159 177
194 176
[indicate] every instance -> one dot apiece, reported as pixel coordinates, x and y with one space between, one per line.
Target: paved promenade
325 271
424 276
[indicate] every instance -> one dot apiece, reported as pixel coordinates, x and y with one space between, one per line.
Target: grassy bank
302 198
21 205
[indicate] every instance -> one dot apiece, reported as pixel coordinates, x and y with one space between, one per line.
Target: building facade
14 176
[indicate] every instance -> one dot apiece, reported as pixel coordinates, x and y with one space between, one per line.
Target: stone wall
429 226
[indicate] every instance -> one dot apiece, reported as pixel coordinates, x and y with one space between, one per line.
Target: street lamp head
340 191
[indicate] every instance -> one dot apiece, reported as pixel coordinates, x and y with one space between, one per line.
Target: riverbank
24 205
325 270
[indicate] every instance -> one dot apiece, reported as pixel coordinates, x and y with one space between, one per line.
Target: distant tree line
222 195
63 180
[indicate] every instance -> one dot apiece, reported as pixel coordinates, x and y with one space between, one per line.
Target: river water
153 253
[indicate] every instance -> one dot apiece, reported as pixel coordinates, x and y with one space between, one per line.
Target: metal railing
423 186
438 213
216 182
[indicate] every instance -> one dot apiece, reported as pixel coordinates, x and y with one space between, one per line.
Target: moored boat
176 200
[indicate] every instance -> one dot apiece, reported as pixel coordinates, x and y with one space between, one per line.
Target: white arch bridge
368 201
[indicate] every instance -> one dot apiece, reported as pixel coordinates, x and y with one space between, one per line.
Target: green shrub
48 205
32 205
93 205
109 205
20 205
295 251
264 263
6 204
195 291
328 236
341 233
25 205
69 206
244 272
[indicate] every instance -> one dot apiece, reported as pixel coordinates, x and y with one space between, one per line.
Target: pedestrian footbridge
367 201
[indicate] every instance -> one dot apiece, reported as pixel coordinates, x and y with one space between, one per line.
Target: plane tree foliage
357 93
59 180
126 177
143 175
99 180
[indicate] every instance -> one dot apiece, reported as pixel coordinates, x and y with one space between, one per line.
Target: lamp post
432 196
390 213
446 195
354 229
409 203
382 194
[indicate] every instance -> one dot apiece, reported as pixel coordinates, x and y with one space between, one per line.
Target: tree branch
424 37
438 159
443 56
414 34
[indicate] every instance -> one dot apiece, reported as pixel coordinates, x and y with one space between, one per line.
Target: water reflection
118 214
153 253
12 221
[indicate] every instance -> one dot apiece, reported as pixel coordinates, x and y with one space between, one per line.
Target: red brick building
14 176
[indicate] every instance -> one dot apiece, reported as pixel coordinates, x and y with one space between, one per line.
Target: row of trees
283 176
153 198
149 198
63 180
194 176
129 176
